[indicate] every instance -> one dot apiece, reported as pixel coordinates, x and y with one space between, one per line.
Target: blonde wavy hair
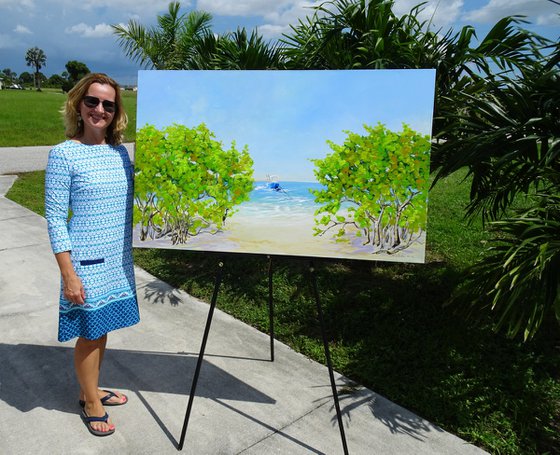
74 126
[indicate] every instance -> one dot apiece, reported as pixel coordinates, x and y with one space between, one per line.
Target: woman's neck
91 138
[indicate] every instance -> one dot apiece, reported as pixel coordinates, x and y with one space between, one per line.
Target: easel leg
270 309
328 358
201 354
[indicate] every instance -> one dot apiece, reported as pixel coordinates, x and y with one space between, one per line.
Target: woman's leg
101 343
120 398
87 361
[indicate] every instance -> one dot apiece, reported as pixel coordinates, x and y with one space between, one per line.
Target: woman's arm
73 289
57 201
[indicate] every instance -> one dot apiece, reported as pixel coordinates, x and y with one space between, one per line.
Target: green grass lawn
33 118
389 327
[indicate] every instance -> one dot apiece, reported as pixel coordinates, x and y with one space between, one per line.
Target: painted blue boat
273 183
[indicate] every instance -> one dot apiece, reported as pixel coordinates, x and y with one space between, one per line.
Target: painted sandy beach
280 222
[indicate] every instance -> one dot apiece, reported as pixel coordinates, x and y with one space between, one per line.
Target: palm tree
174 44
506 135
518 281
509 138
36 57
185 41
346 34
238 51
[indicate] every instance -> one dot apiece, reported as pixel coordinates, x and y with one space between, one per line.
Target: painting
330 164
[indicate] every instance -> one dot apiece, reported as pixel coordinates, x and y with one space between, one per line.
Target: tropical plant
26 77
8 75
174 44
375 188
507 136
56 80
36 58
519 280
240 51
185 41
509 139
348 34
75 70
496 112
187 183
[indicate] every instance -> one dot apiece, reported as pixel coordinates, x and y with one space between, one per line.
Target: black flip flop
106 398
88 420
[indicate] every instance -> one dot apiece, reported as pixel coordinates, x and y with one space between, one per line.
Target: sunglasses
93 102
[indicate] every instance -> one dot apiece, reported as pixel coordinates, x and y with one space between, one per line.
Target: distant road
27 159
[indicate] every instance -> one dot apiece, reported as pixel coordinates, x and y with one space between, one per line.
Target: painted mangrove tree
375 186
186 182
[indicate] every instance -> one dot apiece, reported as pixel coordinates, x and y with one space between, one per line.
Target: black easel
217 283
201 354
328 357
270 310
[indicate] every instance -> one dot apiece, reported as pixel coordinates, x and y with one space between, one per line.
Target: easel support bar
201 354
270 309
328 358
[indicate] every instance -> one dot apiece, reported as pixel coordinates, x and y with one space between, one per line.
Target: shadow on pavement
35 376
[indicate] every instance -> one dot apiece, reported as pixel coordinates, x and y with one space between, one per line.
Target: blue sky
285 117
80 30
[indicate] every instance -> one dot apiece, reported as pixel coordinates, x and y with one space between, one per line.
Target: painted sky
80 30
285 117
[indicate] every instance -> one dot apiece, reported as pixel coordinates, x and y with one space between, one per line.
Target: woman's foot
107 397
96 419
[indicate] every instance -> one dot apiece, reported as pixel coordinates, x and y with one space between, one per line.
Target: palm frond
172 44
518 281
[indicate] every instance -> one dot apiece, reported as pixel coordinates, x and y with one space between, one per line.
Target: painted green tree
375 186
186 182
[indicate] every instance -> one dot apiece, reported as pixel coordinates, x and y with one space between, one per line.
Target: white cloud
269 31
277 15
441 14
291 14
548 19
540 12
22 29
99 31
279 12
243 7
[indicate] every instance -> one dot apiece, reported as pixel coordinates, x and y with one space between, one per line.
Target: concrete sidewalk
33 158
244 403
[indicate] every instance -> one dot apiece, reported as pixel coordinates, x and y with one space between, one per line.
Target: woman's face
98 117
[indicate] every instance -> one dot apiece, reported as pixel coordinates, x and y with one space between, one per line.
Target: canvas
299 163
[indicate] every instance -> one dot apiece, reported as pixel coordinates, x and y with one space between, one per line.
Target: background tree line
37 59
497 113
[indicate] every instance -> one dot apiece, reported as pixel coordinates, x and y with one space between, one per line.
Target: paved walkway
244 403
26 159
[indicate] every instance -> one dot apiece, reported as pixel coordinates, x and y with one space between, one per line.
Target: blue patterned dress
95 183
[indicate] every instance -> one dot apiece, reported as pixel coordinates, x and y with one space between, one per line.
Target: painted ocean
279 200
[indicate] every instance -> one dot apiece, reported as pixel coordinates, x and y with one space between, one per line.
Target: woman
90 174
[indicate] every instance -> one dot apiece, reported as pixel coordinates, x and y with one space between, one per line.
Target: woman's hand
73 290
72 287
